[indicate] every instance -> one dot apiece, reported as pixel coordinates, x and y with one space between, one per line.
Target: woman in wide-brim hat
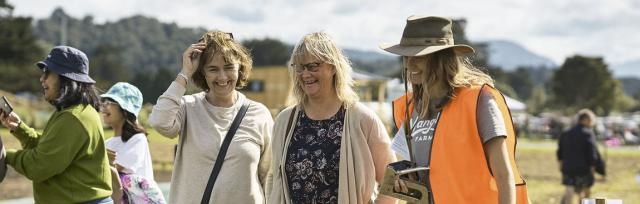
460 125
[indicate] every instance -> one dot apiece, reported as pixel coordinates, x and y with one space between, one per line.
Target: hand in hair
191 58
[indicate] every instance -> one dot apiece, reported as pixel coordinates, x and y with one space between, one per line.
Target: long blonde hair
447 67
320 46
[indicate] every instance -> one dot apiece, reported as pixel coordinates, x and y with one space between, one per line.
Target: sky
551 28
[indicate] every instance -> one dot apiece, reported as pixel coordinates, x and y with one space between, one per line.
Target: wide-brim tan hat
424 35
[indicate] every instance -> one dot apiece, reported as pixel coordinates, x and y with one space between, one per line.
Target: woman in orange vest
460 126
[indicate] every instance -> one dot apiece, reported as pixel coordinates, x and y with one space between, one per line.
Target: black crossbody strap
223 152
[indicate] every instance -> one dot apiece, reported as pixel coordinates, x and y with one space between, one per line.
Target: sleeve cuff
21 130
11 155
175 90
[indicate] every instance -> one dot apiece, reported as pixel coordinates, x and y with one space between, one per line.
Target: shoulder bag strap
223 152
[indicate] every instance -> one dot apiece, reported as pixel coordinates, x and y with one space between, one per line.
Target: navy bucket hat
68 62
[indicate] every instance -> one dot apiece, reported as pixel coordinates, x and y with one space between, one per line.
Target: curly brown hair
232 51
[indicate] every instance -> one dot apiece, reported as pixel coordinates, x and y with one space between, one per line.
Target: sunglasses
311 67
108 102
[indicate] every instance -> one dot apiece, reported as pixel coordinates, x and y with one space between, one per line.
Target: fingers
396 186
400 186
198 47
403 187
194 49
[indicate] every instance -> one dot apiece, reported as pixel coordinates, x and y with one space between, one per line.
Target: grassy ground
536 160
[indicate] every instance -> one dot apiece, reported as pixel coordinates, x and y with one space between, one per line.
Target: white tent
515 105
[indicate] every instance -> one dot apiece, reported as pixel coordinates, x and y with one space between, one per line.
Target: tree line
147 53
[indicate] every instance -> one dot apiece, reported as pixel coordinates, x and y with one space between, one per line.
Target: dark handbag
223 152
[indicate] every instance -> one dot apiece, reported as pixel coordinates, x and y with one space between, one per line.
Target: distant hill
630 85
627 69
373 62
509 56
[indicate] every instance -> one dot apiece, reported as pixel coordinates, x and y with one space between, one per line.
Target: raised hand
191 58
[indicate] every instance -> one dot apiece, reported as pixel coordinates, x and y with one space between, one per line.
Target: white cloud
555 29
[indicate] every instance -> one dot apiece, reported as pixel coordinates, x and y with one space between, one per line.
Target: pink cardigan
364 154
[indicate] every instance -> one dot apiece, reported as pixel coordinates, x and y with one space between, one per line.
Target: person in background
328 147
578 157
129 146
218 65
67 162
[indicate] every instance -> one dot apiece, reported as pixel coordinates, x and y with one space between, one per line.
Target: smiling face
50 82
111 113
221 76
315 77
416 66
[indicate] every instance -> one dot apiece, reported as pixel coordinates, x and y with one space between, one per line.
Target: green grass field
535 158
538 164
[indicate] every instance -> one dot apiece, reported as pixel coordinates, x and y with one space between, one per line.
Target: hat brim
120 101
412 51
58 69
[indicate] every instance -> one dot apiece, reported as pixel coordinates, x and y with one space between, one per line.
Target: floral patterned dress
313 158
140 190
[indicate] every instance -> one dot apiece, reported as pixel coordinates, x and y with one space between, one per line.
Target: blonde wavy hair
447 67
320 46
232 51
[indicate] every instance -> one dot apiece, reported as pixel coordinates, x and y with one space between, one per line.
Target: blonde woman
459 125
218 65
327 148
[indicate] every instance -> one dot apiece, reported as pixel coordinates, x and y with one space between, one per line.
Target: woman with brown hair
459 125
218 65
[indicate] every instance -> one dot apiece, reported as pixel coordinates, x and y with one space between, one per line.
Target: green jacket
67 162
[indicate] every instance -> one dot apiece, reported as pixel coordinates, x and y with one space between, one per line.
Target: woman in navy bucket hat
128 149
67 162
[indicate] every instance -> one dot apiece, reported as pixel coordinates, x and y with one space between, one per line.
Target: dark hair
130 126
74 93
219 42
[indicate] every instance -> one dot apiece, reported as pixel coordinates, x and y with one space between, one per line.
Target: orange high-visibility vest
459 170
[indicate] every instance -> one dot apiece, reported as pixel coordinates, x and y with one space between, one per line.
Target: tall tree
268 51
152 85
538 100
107 67
585 82
520 81
19 50
481 56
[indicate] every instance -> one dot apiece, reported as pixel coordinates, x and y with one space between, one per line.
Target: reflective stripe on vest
459 169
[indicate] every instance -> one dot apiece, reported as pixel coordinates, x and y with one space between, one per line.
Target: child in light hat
128 148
